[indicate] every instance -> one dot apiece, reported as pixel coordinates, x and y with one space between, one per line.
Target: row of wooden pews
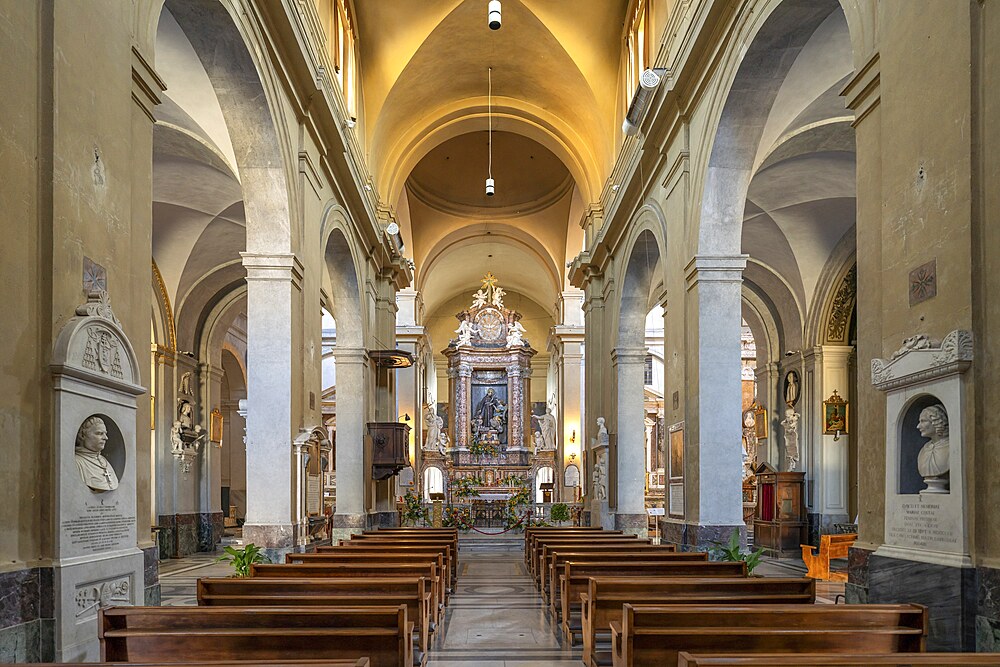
636 605
375 599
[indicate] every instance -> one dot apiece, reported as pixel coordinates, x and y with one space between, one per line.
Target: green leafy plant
413 512
242 559
465 487
731 551
559 512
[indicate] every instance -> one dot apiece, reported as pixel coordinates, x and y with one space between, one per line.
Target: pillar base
632 524
695 537
345 525
275 540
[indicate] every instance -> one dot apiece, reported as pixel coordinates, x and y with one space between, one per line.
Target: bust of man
932 460
95 470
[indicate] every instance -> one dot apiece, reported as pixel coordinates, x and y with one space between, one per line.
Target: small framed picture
835 415
760 421
215 426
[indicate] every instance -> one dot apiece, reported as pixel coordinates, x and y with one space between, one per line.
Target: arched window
433 482
544 475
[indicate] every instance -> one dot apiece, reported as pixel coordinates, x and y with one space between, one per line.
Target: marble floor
495 617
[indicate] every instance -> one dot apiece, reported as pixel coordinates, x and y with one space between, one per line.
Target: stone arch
164 329
773 32
228 45
833 309
641 273
342 278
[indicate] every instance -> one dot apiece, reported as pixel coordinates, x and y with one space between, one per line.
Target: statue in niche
184 433
932 460
515 334
95 470
186 384
547 428
791 389
791 426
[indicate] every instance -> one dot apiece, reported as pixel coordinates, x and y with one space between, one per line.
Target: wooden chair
193 634
605 598
655 635
830 546
686 659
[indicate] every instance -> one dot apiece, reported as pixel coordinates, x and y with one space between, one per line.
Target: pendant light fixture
494 14
490 185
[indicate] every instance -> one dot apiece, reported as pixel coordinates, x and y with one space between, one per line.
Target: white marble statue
536 441
602 432
932 460
498 295
515 335
433 428
791 426
95 470
443 443
547 425
600 477
465 331
479 299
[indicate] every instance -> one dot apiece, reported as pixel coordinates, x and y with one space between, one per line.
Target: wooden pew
378 549
360 662
351 556
686 659
410 592
830 546
428 570
549 552
532 534
387 543
605 597
543 547
538 541
654 635
605 563
178 634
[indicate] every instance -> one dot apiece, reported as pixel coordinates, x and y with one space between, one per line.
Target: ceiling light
490 184
494 14
392 229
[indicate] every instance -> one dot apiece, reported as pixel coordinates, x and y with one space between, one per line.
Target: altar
487 451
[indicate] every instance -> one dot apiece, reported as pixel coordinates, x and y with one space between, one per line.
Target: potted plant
559 513
730 551
242 559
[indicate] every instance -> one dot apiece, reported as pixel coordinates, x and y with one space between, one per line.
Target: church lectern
779 524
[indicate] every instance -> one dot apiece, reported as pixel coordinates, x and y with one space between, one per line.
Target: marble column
460 410
515 421
630 504
568 352
596 398
351 513
210 478
273 284
827 367
714 479
164 366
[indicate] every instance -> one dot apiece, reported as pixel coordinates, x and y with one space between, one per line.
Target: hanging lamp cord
490 107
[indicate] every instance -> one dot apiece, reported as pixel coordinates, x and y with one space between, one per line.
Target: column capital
350 355
621 356
211 372
715 268
164 356
273 267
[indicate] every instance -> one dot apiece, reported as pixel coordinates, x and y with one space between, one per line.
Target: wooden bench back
356 570
836 546
544 547
178 634
686 659
533 534
549 552
655 635
376 547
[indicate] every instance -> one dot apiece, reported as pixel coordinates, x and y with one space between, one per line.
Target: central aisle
496 617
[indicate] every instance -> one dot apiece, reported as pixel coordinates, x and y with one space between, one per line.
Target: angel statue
498 294
465 331
479 299
515 335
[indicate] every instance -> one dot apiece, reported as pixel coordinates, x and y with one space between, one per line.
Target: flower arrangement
457 517
413 512
484 448
465 487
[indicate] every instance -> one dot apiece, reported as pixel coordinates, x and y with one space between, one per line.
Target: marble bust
95 470
932 460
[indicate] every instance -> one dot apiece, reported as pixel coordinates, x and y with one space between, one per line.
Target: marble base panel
27 626
275 540
179 535
856 588
151 576
585 518
949 593
822 524
210 528
345 525
987 610
387 519
694 537
167 535
632 524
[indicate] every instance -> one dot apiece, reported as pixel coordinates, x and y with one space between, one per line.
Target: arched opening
433 482
544 475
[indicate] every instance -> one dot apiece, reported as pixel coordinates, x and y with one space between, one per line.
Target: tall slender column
273 283
829 461
713 486
630 511
350 516
210 510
